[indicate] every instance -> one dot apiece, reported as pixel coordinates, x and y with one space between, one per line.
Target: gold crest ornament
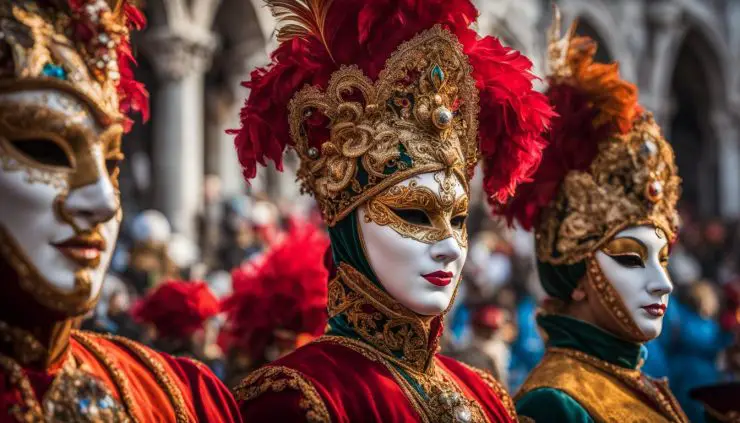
420 116
76 47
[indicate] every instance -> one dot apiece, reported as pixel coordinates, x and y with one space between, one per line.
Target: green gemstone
437 76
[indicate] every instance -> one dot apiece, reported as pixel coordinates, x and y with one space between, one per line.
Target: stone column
728 150
180 58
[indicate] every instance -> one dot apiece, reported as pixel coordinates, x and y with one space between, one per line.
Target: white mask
60 212
415 239
634 262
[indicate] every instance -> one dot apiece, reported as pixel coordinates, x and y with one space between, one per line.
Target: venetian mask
60 211
415 238
634 263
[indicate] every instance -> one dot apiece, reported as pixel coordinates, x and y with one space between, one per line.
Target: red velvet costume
370 94
66 89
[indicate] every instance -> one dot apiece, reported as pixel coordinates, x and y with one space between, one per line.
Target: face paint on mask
634 264
415 238
60 214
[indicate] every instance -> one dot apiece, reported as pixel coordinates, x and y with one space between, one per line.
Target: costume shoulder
490 393
545 405
155 386
324 381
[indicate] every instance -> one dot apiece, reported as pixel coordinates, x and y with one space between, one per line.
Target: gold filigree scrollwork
39 39
419 116
439 209
278 379
633 181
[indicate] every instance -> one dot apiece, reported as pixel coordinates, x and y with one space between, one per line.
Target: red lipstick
657 310
439 278
84 249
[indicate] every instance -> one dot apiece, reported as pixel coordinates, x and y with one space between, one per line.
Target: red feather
177 308
286 289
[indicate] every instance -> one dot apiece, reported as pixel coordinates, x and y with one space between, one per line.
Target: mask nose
446 251
660 283
92 204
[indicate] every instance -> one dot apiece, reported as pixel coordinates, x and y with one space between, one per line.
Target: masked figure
66 87
389 106
602 205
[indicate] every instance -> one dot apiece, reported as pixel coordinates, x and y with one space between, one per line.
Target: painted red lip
657 310
84 250
439 278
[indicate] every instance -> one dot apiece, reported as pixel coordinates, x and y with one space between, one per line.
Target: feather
301 19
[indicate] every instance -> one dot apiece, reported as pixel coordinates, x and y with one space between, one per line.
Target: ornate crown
607 166
79 46
421 115
367 110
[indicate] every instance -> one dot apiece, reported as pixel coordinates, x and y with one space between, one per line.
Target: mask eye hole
44 151
413 216
458 222
629 260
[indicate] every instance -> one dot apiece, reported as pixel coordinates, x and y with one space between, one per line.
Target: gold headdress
367 110
78 46
607 166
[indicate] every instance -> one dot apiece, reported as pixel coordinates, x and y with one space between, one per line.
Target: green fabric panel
559 281
549 405
567 332
346 246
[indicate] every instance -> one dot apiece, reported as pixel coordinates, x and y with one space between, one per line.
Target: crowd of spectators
492 323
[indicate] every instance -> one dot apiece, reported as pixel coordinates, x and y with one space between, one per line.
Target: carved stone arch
697 94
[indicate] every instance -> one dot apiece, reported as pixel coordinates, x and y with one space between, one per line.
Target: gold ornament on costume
419 116
43 55
632 181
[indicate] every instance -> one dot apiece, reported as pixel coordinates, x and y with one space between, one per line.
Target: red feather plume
366 33
177 309
286 289
592 103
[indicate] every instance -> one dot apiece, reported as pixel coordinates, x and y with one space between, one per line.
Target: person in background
279 302
492 333
149 262
695 342
178 317
603 208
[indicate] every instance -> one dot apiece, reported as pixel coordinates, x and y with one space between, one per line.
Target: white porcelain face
418 258
60 203
634 262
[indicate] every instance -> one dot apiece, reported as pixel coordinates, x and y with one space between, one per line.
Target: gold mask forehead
439 207
67 124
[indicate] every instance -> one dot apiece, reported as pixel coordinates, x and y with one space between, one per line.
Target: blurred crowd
491 325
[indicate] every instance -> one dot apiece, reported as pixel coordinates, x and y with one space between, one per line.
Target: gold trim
160 374
611 300
117 376
497 388
372 312
279 378
665 402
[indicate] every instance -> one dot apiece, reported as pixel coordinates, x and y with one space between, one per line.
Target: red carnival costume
373 96
66 86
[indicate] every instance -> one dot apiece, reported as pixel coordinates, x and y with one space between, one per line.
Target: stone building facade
683 54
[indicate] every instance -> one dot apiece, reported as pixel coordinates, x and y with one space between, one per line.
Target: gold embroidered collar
398 334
